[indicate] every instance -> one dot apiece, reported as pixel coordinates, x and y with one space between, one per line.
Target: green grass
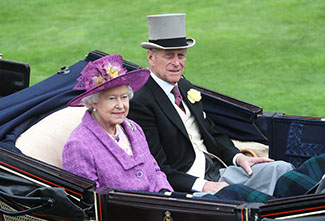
267 52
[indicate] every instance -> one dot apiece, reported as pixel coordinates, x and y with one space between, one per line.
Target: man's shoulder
185 82
146 92
143 91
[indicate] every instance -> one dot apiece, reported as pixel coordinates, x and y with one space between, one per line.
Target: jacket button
139 174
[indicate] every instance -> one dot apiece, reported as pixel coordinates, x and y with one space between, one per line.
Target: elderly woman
107 147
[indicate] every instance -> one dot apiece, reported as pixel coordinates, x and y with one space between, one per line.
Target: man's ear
150 57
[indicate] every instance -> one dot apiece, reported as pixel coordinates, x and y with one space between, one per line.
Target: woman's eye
124 97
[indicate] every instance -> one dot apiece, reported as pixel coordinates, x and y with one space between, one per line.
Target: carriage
35 122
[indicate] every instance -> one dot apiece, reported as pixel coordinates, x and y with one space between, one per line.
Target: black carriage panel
296 139
238 119
14 76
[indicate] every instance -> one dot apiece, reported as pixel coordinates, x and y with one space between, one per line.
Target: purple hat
105 73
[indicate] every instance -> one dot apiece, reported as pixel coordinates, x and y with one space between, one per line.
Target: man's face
168 65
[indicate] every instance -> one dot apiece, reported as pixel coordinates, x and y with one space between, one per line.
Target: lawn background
266 52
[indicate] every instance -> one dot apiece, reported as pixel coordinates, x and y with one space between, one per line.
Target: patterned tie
178 98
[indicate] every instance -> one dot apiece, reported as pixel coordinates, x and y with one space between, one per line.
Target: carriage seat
45 140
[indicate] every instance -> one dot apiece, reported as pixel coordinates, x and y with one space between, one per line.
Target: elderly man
194 156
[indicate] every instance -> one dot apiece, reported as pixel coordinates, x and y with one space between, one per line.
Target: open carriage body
35 123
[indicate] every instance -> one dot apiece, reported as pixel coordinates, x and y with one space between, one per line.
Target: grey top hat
167 31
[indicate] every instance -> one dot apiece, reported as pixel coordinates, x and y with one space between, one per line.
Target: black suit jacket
166 134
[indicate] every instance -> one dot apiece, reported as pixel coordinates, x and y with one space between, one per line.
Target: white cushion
45 140
261 150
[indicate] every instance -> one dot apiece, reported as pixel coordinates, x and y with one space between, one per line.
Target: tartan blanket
294 183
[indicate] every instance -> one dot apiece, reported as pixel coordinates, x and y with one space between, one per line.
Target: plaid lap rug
294 183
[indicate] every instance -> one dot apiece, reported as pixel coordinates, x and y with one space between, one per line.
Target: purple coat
90 152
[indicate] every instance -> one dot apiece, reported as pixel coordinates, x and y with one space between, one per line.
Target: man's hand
247 162
214 187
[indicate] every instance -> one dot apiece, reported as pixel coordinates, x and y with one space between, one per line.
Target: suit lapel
165 104
194 108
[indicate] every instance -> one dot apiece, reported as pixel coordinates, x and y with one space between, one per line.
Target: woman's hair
94 98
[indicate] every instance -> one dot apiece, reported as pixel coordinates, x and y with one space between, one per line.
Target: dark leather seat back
14 76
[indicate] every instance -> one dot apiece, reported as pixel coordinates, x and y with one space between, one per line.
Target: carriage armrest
249 152
14 76
252 148
231 100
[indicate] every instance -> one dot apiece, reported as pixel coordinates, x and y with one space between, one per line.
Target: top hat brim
149 45
135 79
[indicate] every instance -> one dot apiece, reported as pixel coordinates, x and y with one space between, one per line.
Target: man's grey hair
154 50
94 98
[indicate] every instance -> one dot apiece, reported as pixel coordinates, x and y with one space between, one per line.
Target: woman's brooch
131 125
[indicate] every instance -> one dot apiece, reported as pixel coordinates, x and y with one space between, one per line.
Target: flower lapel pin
194 96
131 125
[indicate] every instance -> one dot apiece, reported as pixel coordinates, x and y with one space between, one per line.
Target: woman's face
112 108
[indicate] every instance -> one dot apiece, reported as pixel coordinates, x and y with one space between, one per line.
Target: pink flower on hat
100 71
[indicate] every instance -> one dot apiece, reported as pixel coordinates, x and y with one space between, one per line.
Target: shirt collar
167 87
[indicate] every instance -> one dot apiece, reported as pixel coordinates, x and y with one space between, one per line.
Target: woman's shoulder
80 134
80 129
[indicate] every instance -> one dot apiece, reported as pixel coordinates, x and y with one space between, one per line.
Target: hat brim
135 79
148 45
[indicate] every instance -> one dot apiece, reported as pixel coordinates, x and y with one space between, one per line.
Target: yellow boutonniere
194 96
